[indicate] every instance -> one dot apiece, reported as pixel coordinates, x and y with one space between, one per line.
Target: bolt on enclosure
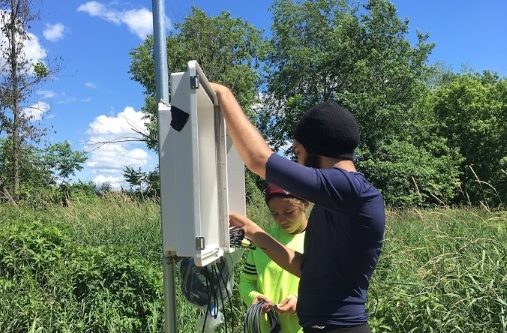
201 174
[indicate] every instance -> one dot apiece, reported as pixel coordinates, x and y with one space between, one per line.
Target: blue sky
93 99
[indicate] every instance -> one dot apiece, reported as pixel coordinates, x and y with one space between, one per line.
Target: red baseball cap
273 190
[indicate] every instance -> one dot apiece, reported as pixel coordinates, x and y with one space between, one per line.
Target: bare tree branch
94 145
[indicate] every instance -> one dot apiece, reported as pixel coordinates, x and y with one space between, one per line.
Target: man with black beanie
330 130
345 229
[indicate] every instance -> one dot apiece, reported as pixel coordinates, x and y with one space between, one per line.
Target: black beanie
328 129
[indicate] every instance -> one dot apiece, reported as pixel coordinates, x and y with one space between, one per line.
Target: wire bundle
238 239
253 318
216 297
209 288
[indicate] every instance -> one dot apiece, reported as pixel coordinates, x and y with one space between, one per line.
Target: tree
228 49
472 114
409 175
41 168
63 161
19 75
360 56
32 167
325 49
141 182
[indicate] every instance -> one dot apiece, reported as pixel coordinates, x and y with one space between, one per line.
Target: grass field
95 267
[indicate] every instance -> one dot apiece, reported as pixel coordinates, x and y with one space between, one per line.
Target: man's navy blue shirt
343 241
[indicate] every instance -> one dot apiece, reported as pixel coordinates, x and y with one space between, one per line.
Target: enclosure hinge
194 81
199 243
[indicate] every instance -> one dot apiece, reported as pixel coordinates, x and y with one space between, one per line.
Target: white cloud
46 94
115 182
95 8
36 111
90 85
120 125
108 160
54 32
63 98
139 21
106 171
116 156
33 52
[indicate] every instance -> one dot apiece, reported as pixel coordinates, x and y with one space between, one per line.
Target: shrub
413 176
47 281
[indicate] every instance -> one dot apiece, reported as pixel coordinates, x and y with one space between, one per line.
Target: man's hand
288 305
285 257
219 89
243 222
251 146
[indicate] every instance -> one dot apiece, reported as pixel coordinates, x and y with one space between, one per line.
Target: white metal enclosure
201 174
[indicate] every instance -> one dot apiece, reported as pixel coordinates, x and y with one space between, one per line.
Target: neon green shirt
261 275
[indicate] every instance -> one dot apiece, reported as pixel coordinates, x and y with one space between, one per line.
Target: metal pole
160 51
162 83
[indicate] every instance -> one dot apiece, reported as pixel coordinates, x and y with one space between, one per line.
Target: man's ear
306 204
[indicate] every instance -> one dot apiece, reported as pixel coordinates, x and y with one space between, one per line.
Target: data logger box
201 174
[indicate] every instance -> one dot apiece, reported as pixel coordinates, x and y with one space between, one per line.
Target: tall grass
441 270
115 219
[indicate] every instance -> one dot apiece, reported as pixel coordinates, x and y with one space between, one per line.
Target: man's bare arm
285 257
252 147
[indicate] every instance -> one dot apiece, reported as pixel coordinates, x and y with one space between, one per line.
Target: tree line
429 136
28 164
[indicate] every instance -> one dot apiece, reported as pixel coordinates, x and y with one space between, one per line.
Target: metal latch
194 82
199 243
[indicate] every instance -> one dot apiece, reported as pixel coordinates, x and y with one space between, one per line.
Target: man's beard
312 160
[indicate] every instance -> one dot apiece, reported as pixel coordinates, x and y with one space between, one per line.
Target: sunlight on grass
441 270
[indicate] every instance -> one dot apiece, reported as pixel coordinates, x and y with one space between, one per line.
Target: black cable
207 305
238 239
216 299
215 270
212 291
212 296
224 282
204 286
253 319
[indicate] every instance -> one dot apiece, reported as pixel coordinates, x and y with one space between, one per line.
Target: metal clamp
200 243
194 81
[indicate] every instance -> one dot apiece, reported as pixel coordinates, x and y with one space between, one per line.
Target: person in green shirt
262 279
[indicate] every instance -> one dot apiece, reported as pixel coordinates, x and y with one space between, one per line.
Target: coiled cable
253 319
